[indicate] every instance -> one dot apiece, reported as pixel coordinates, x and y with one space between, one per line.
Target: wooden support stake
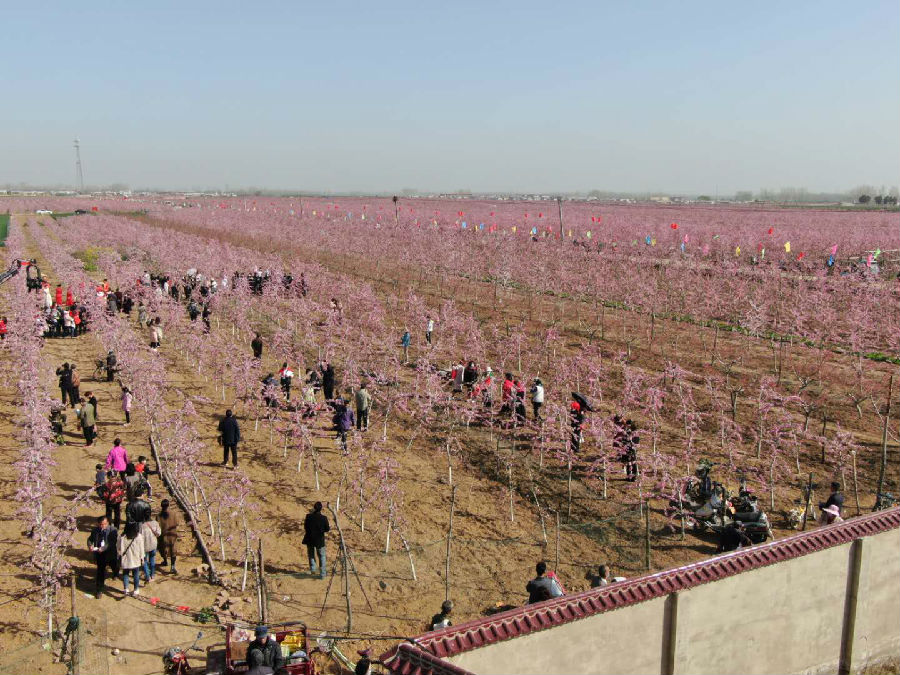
346 567
884 454
182 503
855 482
808 500
647 535
556 567
449 539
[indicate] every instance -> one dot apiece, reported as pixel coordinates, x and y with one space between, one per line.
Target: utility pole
79 175
559 209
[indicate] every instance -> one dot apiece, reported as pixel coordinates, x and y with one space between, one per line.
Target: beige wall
784 618
878 607
631 643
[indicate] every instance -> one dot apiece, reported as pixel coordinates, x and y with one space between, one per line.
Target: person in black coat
268 647
229 436
328 380
314 528
257 346
102 542
836 498
65 382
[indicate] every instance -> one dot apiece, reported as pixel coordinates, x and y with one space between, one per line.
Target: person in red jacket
59 295
70 299
506 395
3 328
576 417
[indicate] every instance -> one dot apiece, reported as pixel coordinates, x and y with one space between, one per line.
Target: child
99 477
127 399
142 468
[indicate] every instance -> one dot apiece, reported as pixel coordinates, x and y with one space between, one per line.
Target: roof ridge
540 616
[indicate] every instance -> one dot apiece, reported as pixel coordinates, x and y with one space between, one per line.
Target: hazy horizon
512 98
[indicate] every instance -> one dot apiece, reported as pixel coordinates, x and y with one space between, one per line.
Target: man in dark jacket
65 382
102 543
836 498
542 587
257 346
268 645
733 537
111 363
314 528
327 380
229 436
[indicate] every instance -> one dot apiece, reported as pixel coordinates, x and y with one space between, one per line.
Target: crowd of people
132 551
62 314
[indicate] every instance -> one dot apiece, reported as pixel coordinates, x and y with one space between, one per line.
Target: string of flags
551 230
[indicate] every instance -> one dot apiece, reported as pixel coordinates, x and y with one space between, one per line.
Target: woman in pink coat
117 459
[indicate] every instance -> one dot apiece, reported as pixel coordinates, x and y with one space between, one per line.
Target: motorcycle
719 510
175 659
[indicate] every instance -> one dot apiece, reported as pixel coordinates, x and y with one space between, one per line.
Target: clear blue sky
544 96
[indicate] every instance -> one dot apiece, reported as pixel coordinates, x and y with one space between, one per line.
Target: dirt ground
492 556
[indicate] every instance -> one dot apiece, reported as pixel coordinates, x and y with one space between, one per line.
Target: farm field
761 340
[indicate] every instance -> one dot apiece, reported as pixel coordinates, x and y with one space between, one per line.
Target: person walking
363 405
150 531
344 422
229 437
113 494
117 459
167 542
111 363
315 526
429 328
127 399
286 377
102 543
74 384
87 417
328 380
257 346
65 382
156 334
131 556
576 421
537 398
405 342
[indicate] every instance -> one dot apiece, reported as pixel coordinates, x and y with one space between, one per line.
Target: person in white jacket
130 548
537 397
150 531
